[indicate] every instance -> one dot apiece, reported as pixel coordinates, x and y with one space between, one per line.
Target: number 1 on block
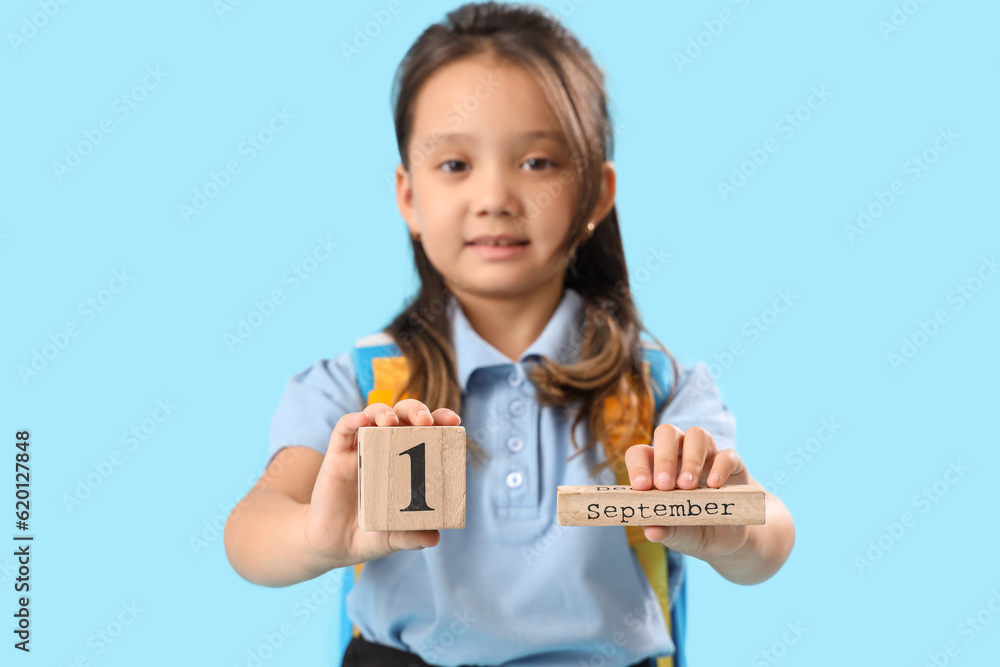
411 477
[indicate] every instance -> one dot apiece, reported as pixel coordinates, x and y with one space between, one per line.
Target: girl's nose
495 195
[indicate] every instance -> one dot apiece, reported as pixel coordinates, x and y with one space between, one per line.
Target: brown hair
610 363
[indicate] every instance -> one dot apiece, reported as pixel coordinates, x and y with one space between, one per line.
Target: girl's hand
689 459
331 527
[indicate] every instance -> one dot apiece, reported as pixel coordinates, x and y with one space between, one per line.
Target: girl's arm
301 518
688 459
264 535
766 548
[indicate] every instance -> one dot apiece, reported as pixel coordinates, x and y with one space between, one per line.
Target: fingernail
713 480
663 479
423 412
685 477
641 479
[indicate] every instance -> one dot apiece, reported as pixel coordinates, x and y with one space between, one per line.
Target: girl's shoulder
341 377
689 377
350 368
691 394
318 395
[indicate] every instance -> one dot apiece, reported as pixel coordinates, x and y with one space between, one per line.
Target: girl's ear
606 200
404 199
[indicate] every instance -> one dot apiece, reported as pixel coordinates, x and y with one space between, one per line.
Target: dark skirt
363 653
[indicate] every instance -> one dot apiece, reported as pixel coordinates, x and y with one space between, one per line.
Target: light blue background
682 130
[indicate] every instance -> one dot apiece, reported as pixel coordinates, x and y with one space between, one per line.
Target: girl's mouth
497 247
498 240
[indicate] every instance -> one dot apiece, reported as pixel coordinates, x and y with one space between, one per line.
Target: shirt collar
559 341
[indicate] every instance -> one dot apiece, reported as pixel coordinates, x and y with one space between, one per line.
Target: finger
345 432
412 412
657 533
667 442
683 539
446 417
698 445
727 465
637 462
413 539
382 415
699 541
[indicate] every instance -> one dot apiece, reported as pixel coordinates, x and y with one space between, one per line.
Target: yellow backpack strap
652 556
357 574
389 373
381 370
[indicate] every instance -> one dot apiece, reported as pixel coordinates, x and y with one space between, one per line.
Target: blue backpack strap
345 627
661 372
677 583
365 349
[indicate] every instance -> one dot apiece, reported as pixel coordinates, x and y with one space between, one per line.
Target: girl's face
490 163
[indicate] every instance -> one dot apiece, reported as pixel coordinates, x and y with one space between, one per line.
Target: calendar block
411 477
732 505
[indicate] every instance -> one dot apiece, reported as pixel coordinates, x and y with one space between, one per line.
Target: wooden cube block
411 477
732 505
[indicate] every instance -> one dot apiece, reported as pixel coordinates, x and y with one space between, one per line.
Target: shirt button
517 407
515 444
515 479
515 379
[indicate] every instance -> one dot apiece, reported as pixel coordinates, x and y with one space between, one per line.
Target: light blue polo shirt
513 587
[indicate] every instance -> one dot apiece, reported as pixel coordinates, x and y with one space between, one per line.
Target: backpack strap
381 369
661 372
663 568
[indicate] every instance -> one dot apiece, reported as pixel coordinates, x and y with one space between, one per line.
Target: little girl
525 332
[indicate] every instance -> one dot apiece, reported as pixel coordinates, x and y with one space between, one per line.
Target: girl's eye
447 164
457 166
538 160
